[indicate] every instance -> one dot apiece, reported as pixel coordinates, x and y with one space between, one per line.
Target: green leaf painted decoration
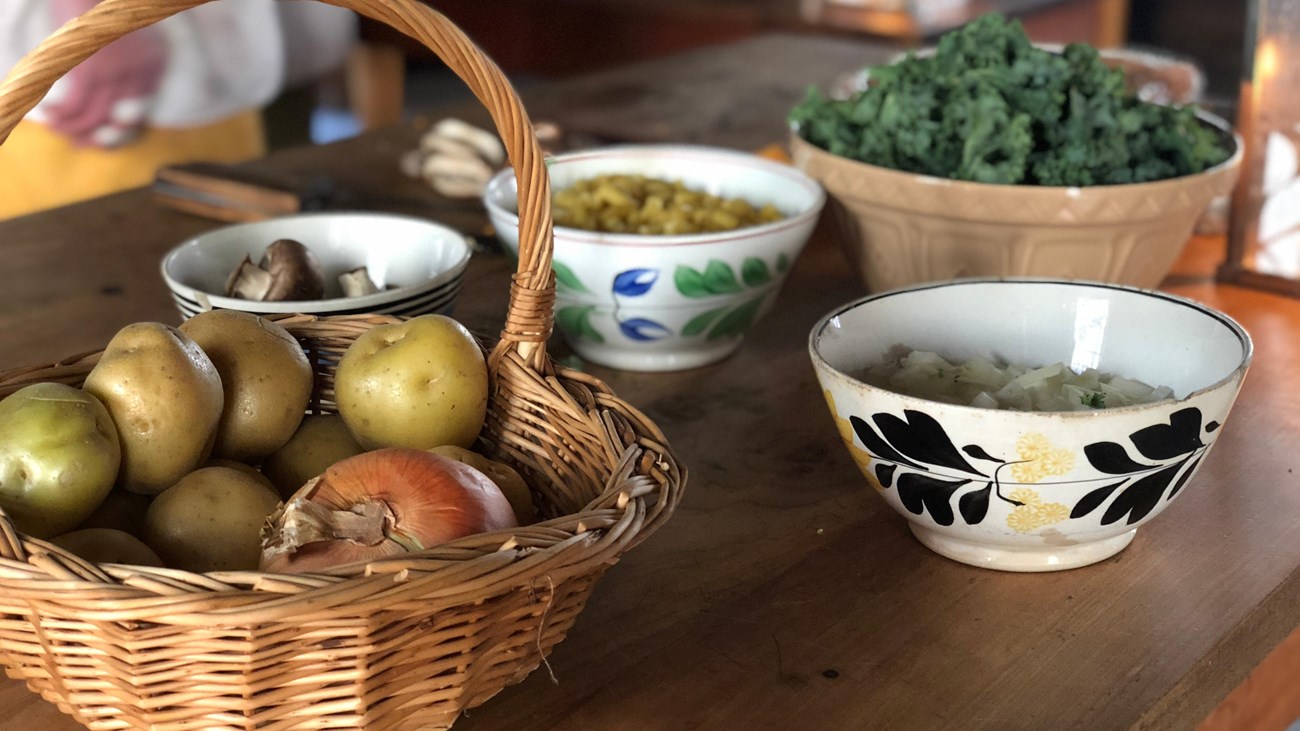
565 279
576 321
700 322
738 320
690 282
720 279
754 272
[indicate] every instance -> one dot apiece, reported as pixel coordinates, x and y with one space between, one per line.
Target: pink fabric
107 97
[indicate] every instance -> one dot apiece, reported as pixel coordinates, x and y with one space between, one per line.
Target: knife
235 194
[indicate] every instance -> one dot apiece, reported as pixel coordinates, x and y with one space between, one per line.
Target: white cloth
224 57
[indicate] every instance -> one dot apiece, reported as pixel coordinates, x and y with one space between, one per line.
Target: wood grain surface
784 594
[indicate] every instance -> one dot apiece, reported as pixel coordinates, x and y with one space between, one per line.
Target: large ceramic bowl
1032 491
658 303
902 228
418 264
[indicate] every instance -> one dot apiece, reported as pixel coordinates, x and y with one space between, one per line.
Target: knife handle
222 193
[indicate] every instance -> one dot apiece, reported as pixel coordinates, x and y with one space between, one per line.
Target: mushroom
357 283
248 281
288 272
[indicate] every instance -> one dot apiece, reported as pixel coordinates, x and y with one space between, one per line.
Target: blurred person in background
190 88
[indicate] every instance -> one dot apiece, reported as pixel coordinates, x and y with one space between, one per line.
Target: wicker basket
404 643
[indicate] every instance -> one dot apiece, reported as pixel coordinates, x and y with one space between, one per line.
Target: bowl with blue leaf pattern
662 302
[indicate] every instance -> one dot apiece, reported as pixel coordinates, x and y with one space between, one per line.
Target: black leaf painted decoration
1112 459
1211 427
920 493
978 452
1182 435
1182 479
885 473
923 439
975 505
1094 499
1141 496
878 447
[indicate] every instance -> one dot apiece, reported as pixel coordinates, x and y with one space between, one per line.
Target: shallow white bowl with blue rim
660 303
423 262
1032 491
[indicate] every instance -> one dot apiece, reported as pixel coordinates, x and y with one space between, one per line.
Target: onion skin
381 504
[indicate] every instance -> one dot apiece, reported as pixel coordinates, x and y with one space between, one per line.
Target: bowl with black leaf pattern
1032 490
654 302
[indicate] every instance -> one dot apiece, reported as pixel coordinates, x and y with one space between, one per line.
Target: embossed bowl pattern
901 228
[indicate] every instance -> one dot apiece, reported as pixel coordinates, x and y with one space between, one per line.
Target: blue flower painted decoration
635 282
639 328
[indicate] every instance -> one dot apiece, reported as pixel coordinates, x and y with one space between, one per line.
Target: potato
418 384
59 457
265 376
247 469
511 483
105 545
321 441
211 520
165 397
121 510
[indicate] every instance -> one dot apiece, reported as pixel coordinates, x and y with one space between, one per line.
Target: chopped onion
982 383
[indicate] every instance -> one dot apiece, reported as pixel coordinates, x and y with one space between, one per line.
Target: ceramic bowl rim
771 167
1247 345
321 305
1072 191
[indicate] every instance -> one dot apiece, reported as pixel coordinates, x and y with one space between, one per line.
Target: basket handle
532 293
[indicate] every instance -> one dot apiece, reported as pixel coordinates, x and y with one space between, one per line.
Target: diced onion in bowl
982 383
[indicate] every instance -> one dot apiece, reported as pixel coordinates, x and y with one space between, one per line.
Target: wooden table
784 594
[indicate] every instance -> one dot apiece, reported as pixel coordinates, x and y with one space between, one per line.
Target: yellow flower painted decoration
1039 459
859 455
1033 513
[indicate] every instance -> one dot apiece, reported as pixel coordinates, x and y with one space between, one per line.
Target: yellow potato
321 441
164 395
211 520
510 482
247 469
265 376
106 545
417 384
121 510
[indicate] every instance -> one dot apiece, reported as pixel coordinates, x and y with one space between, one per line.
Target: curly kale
988 106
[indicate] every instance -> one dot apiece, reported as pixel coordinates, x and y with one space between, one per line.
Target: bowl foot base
1006 558
632 359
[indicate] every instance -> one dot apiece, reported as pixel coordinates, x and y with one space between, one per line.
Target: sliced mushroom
486 143
295 272
248 281
357 283
457 177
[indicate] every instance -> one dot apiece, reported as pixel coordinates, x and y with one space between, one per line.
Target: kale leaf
990 107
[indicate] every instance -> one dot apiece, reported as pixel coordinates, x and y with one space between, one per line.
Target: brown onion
382 503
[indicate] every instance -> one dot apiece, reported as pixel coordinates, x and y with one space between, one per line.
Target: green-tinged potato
165 397
506 477
418 384
265 376
105 545
121 510
321 441
211 520
247 469
59 457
